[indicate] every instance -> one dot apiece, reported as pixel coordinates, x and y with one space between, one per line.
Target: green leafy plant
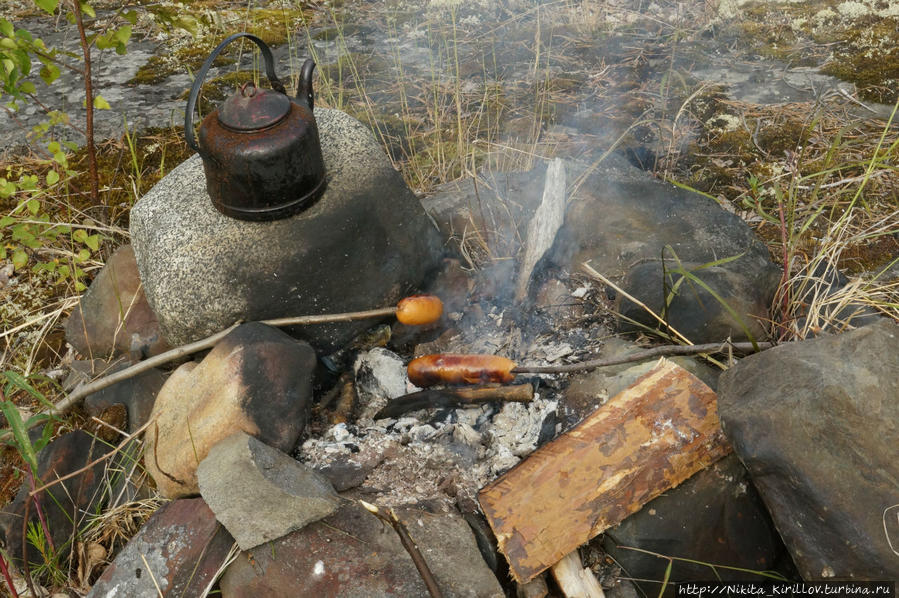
49 566
29 227
37 534
17 47
18 427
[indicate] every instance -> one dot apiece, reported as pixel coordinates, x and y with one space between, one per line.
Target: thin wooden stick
330 318
592 272
409 544
79 393
152 577
455 397
72 399
664 350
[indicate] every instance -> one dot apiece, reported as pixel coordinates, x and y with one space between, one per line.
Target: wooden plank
647 439
574 580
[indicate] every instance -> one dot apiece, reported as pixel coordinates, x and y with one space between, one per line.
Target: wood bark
646 440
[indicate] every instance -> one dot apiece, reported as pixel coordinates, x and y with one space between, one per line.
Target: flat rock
716 517
179 549
817 425
80 494
352 554
363 245
113 316
259 493
449 547
257 380
622 220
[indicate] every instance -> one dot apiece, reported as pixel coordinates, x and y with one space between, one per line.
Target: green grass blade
20 434
19 381
742 324
666 578
686 187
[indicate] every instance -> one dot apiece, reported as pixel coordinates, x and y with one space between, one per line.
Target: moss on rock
869 57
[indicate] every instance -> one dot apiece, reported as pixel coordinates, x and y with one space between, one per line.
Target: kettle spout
304 87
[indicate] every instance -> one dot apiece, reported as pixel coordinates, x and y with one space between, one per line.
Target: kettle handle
304 87
201 76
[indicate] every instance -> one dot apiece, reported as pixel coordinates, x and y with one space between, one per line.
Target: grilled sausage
417 310
453 368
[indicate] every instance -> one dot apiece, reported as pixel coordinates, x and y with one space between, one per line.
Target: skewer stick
663 351
138 368
460 368
432 309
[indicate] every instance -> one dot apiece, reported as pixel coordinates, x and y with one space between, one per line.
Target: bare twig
713 566
664 350
409 545
455 397
232 555
88 104
152 577
330 318
79 393
592 272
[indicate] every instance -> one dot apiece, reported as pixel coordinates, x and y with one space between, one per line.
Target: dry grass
824 196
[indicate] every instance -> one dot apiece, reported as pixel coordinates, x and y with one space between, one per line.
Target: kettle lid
252 109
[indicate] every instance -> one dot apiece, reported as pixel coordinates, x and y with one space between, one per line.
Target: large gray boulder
714 517
638 231
364 244
817 425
